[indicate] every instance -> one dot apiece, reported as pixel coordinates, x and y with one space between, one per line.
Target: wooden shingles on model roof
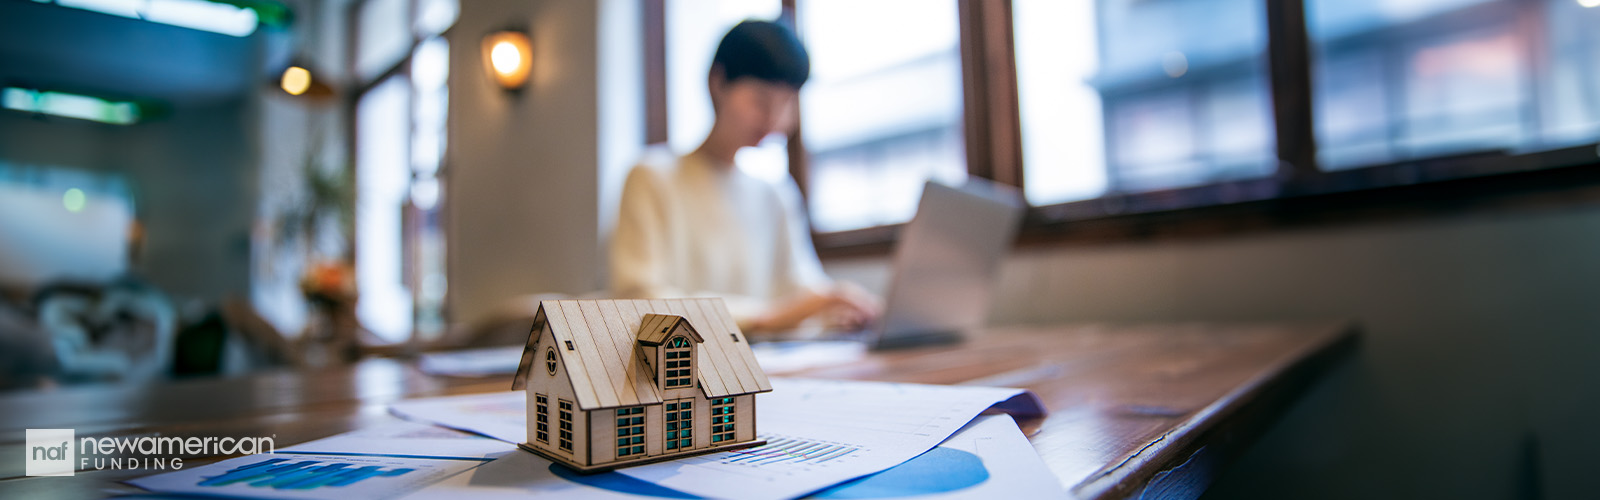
654 328
595 340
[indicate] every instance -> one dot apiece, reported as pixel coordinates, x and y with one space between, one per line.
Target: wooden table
1135 409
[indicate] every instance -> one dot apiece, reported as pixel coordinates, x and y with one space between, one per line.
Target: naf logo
50 452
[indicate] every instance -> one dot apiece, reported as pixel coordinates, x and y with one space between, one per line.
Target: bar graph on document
782 449
822 432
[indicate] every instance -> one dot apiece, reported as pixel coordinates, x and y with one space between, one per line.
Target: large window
694 29
1404 80
402 66
882 111
1101 109
1136 95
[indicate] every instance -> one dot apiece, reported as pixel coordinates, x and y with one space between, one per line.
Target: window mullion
989 75
1289 64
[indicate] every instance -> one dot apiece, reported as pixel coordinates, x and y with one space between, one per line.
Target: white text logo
50 452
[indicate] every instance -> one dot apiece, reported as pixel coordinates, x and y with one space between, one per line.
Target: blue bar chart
303 475
790 450
309 476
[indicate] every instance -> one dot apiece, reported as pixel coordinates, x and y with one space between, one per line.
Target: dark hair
764 50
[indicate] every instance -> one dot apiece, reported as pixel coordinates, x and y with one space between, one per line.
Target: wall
191 175
526 171
1479 353
190 161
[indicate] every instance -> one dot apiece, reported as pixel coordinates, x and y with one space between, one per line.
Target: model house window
721 420
630 431
550 360
541 415
680 430
566 424
677 366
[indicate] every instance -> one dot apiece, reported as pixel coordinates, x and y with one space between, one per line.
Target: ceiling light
70 105
201 15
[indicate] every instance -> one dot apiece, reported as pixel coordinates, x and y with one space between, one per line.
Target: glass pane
435 16
430 73
1131 95
1404 79
382 37
882 111
694 27
383 175
693 31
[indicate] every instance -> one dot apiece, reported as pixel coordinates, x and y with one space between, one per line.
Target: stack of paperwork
825 439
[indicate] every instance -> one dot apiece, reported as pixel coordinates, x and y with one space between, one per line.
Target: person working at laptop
699 226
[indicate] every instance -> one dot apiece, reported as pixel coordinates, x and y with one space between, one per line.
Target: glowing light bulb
296 80
506 57
1589 3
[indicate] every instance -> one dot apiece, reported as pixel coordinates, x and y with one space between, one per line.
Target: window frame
678 425
723 420
411 216
1298 193
542 417
677 355
630 432
564 425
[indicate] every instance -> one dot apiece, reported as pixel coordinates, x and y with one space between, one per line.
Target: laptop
944 266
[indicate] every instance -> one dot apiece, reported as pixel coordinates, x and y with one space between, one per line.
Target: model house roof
654 328
597 341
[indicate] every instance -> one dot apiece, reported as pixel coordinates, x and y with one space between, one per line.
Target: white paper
308 476
819 433
500 415
824 432
377 462
484 362
792 356
989 458
407 438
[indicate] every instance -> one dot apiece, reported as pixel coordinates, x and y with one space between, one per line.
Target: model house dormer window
668 344
678 356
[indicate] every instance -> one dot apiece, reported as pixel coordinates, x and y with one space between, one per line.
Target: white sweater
692 228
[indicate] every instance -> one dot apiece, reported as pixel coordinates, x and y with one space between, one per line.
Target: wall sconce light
509 57
298 79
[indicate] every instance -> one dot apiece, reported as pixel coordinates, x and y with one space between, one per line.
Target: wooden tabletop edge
1124 477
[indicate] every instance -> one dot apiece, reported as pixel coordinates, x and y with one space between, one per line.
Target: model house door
679 421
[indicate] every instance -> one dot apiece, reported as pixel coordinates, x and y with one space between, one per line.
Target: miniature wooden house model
614 383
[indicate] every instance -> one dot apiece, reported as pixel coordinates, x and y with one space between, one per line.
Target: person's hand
852 306
844 305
